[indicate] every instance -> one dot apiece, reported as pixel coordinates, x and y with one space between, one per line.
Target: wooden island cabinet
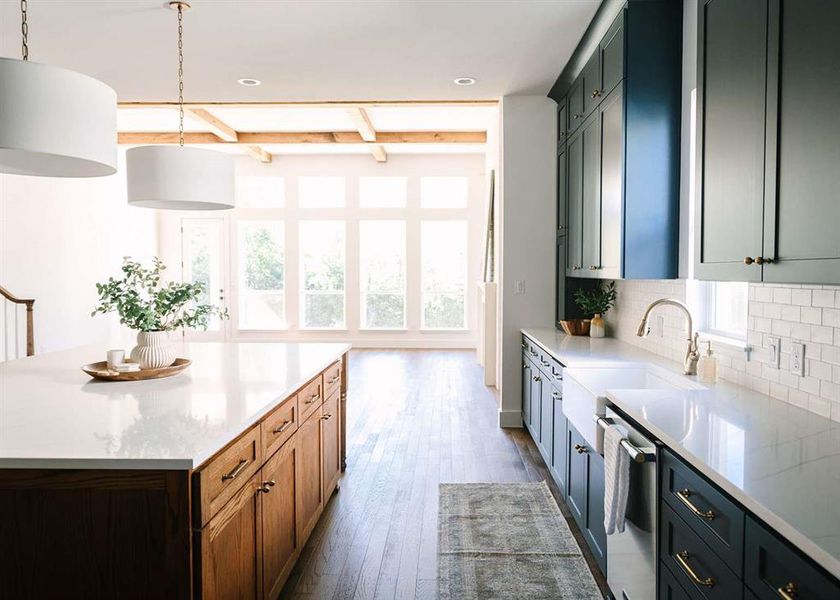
230 529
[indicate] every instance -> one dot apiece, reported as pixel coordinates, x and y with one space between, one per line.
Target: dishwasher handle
639 455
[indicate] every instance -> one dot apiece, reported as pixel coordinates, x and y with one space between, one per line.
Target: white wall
351 167
526 233
58 237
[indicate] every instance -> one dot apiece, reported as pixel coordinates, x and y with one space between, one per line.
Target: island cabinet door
310 476
332 443
229 549
281 542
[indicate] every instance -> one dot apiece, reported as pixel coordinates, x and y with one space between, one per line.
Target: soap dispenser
707 371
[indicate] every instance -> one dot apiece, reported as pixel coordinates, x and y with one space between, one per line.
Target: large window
443 192
260 191
262 300
321 192
382 272
322 274
382 192
444 274
201 260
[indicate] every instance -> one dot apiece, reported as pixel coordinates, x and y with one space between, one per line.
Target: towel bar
639 455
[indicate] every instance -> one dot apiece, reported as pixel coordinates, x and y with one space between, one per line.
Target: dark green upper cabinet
623 152
562 124
802 199
731 82
768 151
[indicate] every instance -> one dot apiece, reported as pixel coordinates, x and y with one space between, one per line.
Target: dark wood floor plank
415 419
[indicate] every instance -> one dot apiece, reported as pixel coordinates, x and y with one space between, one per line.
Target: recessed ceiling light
464 80
248 81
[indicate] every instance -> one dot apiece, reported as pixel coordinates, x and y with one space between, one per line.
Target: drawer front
279 426
772 568
669 587
310 397
715 518
692 563
531 349
221 477
332 379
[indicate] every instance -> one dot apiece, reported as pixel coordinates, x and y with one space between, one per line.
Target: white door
204 259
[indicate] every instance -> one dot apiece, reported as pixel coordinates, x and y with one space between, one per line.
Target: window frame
363 292
465 293
303 292
241 259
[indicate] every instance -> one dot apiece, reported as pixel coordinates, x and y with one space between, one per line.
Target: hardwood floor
415 418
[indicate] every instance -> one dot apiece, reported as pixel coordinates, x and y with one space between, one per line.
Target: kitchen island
202 485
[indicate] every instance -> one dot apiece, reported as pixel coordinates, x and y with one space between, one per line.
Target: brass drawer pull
556 395
537 378
532 351
684 496
266 486
544 363
237 470
283 427
312 398
326 417
682 559
580 449
787 591
334 379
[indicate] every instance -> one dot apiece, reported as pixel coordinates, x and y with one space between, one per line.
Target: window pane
259 191
382 192
444 273
730 308
201 252
322 274
320 192
382 273
262 275
443 192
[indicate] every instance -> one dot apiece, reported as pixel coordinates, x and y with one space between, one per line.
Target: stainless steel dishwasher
631 555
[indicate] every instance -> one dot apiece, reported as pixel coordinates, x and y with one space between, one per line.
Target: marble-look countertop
780 461
52 415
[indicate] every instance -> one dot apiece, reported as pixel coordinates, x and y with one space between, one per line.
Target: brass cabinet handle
593 267
544 363
524 365
596 93
576 116
575 268
556 395
270 483
532 351
748 260
334 379
787 591
326 416
558 377
684 496
266 487
283 427
312 399
759 260
237 470
537 378
580 449
682 559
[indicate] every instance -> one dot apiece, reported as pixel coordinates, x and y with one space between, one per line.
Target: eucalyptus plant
597 301
144 303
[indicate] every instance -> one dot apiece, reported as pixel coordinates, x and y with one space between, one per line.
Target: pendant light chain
24 30
180 75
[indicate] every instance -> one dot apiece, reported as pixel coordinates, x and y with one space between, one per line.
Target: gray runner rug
507 540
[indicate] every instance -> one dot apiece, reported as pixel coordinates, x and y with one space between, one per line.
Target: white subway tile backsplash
795 313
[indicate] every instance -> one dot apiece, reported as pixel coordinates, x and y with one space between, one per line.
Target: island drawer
693 564
332 379
773 568
221 477
669 587
279 426
712 516
310 397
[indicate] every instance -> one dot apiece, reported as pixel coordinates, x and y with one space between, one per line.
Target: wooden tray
100 370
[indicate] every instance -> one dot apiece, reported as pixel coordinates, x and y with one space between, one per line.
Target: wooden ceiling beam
378 153
258 153
323 104
362 122
317 137
214 124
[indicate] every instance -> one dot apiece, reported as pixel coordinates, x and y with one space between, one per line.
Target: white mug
115 357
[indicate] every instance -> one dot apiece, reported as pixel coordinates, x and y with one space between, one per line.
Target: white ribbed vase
153 350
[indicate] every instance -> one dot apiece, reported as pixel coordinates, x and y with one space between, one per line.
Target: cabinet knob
748 260
593 268
580 449
575 268
576 116
596 93
537 378
763 261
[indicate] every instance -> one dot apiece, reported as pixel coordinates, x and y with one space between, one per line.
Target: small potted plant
153 309
596 303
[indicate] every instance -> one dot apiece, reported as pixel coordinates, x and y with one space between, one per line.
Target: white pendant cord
180 74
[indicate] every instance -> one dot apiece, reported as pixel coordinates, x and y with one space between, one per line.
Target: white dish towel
617 480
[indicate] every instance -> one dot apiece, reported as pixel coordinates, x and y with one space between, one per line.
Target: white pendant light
176 177
54 122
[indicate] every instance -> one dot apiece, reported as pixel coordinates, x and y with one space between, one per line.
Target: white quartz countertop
779 461
52 415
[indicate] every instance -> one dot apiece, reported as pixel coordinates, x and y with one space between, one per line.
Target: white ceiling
307 50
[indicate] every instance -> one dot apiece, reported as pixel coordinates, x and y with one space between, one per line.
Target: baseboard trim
510 418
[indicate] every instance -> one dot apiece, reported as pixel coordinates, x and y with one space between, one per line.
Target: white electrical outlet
519 288
773 345
797 359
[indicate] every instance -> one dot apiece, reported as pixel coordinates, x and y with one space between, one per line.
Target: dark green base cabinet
585 495
710 547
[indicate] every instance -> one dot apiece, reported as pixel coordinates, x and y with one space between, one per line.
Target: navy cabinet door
536 401
560 449
562 122
577 478
802 208
574 204
546 422
612 55
591 196
574 104
592 83
731 84
612 186
596 535
526 388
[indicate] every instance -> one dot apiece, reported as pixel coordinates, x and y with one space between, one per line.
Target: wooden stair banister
30 322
